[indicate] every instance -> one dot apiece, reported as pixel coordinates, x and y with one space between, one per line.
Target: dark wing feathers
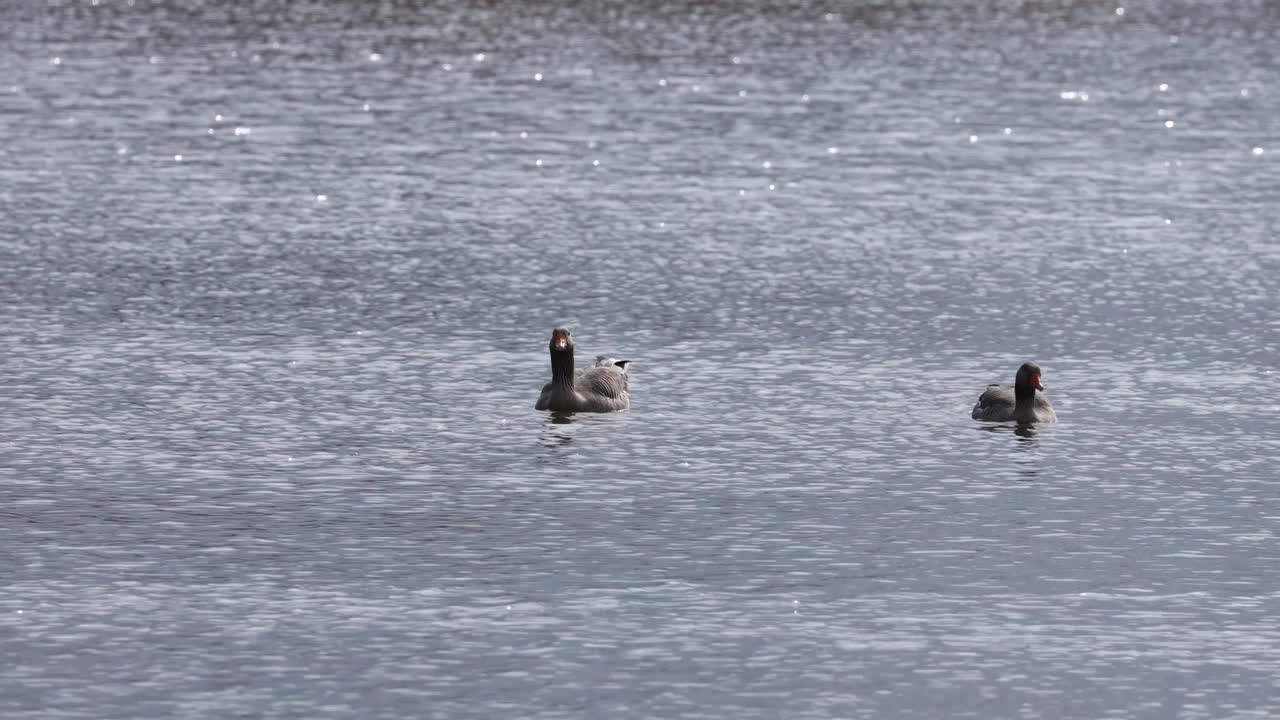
994 403
609 381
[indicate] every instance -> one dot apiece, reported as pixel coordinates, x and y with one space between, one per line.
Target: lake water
276 285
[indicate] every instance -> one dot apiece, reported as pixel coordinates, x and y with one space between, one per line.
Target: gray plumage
606 361
1019 402
600 388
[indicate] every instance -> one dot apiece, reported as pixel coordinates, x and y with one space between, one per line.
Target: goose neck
562 366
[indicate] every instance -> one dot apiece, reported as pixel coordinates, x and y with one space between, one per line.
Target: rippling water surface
276 283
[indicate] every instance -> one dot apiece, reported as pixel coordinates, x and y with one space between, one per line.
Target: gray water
276 284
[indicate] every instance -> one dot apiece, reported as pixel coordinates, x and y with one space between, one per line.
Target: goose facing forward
602 388
1018 402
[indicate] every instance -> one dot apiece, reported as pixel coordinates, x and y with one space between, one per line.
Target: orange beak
1035 382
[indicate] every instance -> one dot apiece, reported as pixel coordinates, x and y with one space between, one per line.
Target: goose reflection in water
555 436
1024 432
560 418
1028 439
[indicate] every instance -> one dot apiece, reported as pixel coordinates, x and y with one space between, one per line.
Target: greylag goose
602 388
1018 402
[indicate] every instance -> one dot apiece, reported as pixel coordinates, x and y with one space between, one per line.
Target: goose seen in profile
1021 402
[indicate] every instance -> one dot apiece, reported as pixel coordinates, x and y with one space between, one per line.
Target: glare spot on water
365 107
595 163
1173 39
1008 131
1164 87
766 164
1120 11
772 186
537 77
737 60
696 88
742 93
1244 92
478 57
243 131
447 67
741 193
973 138
322 198
217 118
209 131
177 158
829 17
833 150
56 61
1258 151
375 57
155 60
538 162
523 135
1168 221
122 150
804 98
1168 123
662 82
